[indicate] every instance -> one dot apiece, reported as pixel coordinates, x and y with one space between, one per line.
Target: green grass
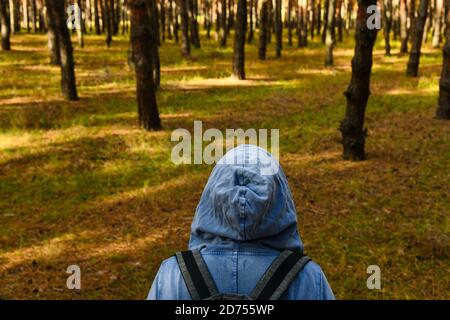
80 183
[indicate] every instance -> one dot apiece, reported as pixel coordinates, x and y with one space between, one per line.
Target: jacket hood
246 202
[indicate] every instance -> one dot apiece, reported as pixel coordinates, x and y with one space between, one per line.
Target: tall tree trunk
437 23
230 20
312 9
239 40
403 27
163 20
26 21
339 19
263 26
5 25
251 27
443 109
358 91
289 21
184 24
96 18
79 25
329 41
386 6
107 22
319 17
195 38
33 15
156 64
142 51
325 20
53 41
176 23
55 10
419 25
223 23
278 29
170 20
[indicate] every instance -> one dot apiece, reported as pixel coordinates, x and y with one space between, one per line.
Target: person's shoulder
169 265
308 283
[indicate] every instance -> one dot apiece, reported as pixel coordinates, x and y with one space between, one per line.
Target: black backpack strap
196 275
279 276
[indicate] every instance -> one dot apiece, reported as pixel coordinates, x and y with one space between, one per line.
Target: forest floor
81 184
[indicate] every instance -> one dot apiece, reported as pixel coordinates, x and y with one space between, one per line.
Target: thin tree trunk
33 15
263 26
358 91
387 24
107 22
96 18
239 40
437 24
329 41
79 25
251 26
163 19
223 24
289 22
156 64
403 27
443 109
53 41
195 38
184 24
142 51
278 29
418 28
5 25
55 10
25 15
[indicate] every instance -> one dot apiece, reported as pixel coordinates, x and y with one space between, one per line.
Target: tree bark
184 26
358 91
107 22
251 24
80 24
55 10
289 21
156 64
419 25
5 25
403 27
25 15
278 29
195 38
142 52
239 40
33 15
437 24
53 41
329 41
386 6
263 26
443 109
96 18
223 23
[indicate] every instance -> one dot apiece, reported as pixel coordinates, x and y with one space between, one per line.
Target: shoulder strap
279 276
196 275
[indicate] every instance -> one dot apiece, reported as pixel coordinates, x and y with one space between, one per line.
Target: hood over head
246 202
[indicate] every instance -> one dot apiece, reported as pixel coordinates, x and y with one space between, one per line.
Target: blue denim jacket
245 217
